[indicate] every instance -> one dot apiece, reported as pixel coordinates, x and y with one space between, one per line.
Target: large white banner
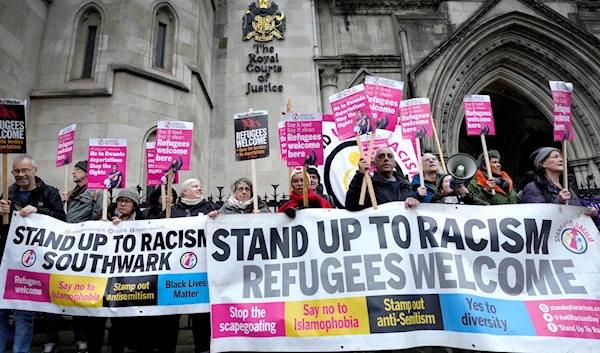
96 268
492 278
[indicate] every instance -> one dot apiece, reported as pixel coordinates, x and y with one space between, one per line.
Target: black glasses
125 201
242 188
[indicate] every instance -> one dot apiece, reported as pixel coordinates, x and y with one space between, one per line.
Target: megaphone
461 167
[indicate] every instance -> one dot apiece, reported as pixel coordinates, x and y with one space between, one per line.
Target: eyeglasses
242 188
125 201
16 172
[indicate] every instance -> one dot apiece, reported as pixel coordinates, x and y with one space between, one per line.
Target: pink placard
107 163
415 118
384 97
563 118
352 113
304 139
24 285
66 141
235 320
282 140
478 115
377 144
328 117
174 145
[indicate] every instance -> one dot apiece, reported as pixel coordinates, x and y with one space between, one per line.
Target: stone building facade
117 67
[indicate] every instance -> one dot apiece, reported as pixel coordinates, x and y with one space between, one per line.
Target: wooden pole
305 186
368 177
363 189
565 169
169 193
163 195
418 144
5 184
105 204
439 147
66 186
487 160
289 109
254 192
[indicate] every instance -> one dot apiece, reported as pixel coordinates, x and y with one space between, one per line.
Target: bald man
389 186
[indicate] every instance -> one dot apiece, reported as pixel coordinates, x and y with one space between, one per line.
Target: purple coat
542 190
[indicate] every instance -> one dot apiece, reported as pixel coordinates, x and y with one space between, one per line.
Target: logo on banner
168 124
574 237
28 258
6 113
188 260
100 142
295 117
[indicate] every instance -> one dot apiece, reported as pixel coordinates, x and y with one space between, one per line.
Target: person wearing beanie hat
314 182
544 184
296 201
459 195
126 207
483 184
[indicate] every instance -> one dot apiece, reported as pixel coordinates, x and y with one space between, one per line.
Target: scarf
235 203
297 201
500 181
191 202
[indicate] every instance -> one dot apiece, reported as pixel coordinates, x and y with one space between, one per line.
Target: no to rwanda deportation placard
12 126
251 135
95 268
66 142
351 111
107 163
506 279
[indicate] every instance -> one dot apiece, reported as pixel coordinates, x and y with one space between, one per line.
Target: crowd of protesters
29 194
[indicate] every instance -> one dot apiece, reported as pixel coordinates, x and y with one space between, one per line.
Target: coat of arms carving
263 22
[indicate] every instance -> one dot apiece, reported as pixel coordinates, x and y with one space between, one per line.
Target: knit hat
131 194
314 171
541 154
82 165
187 183
295 171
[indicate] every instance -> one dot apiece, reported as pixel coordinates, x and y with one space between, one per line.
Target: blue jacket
431 188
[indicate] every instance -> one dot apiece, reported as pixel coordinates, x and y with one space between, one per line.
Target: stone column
593 169
329 78
579 176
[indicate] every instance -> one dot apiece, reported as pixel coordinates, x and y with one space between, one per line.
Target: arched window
87 42
163 46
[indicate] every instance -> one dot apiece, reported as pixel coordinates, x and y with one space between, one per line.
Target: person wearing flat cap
83 204
544 184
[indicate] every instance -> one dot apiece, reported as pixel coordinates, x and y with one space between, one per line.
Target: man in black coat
388 185
29 194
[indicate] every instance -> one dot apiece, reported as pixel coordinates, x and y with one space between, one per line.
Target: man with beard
28 195
389 186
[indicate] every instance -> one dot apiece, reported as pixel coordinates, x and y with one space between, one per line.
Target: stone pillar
579 176
329 78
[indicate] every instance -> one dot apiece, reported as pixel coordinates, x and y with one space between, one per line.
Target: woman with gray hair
482 185
544 184
241 201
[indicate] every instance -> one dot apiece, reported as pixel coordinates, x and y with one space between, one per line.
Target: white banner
493 278
95 268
